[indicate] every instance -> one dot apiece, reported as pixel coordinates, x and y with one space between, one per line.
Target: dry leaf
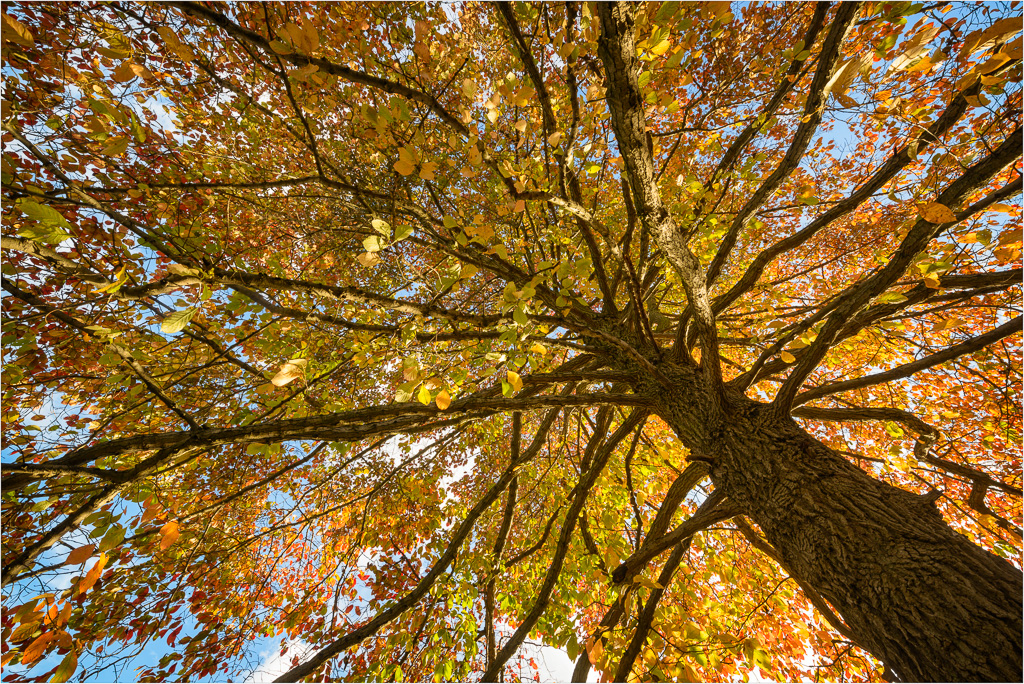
290 370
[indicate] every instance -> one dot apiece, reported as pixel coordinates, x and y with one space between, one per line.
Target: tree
683 336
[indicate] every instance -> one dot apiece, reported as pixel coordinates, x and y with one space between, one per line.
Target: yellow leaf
310 38
936 212
280 47
404 167
26 629
116 146
80 555
932 282
290 370
21 34
787 357
169 534
66 668
423 396
661 48
554 138
1000 206
443 400
514 380
521 126
539 348
987 37
993 63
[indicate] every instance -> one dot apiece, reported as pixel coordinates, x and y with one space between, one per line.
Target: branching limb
886 172
715 509
927 436
916 240
643 625
828 62
625 100
587 480
1011 327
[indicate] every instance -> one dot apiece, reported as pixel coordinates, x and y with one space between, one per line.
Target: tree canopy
684 337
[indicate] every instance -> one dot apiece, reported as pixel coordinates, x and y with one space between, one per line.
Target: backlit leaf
294 369
443 400
177 320
80 555
169 534
936 212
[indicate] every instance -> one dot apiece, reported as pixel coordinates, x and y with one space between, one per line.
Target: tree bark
919 596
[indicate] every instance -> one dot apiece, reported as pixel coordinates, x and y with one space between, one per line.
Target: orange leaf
936 212
169 534
93 575
36 649
80 555
443 400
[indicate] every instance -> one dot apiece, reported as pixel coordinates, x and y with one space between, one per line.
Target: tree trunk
918 595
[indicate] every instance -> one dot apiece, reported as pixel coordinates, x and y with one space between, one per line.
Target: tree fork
918 595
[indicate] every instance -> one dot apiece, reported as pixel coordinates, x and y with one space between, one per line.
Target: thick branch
969 346
617 50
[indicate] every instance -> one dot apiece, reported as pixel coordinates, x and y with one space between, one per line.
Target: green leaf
113 537
66 668
519 316
177 321
403 231
43 213
891 298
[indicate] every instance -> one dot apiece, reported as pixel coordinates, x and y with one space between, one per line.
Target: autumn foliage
400 336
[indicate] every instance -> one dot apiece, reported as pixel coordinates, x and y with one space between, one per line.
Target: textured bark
918 595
